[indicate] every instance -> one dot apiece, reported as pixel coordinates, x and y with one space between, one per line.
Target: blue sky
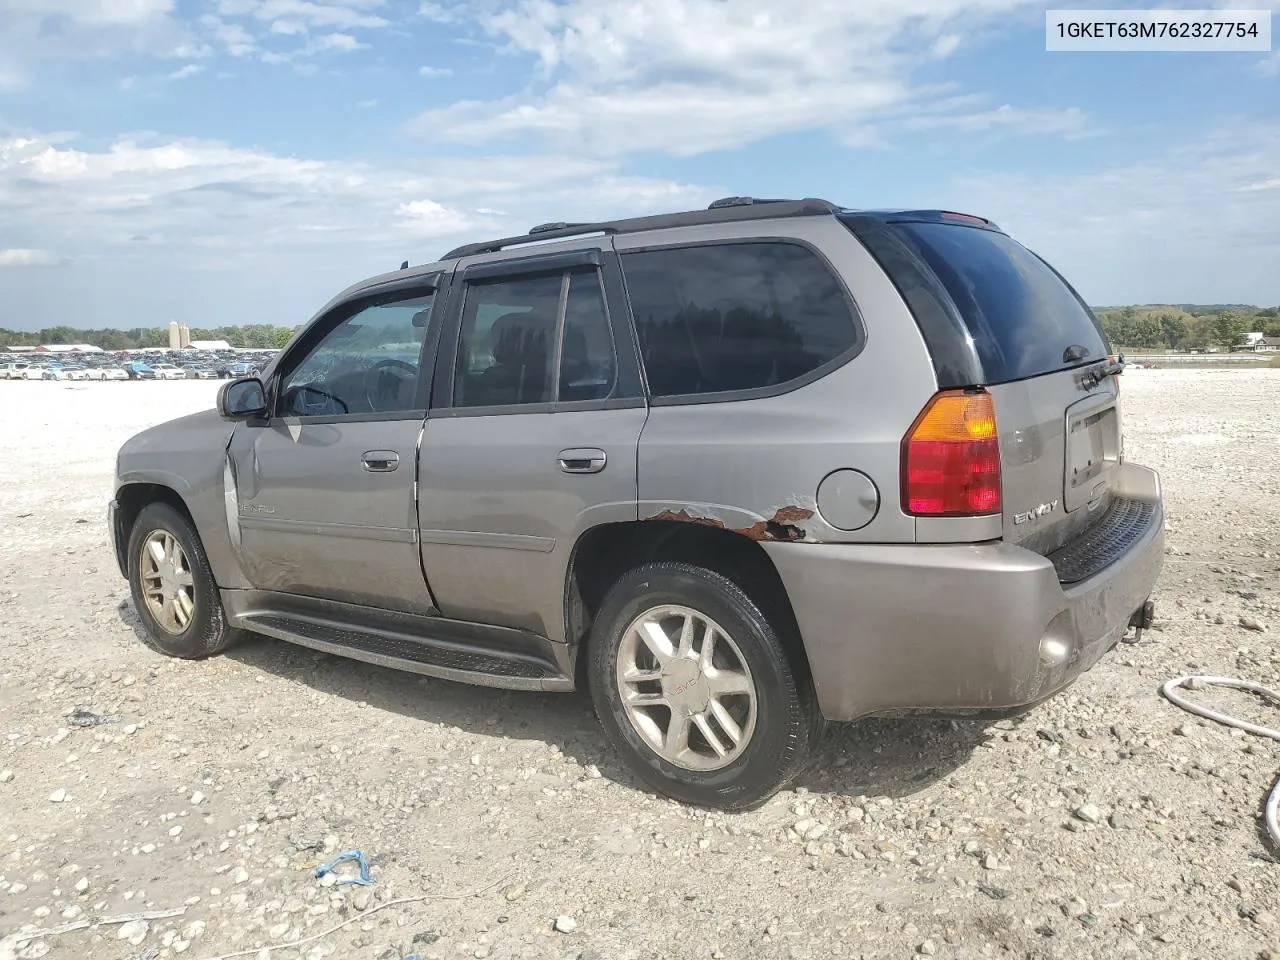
238 161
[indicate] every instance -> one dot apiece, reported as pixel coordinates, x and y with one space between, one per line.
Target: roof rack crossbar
754 210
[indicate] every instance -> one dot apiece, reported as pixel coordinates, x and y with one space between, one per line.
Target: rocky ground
1105 823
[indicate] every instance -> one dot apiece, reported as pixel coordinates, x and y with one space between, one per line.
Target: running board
478 654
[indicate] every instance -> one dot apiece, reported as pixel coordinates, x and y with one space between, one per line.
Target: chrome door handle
582 460
379 461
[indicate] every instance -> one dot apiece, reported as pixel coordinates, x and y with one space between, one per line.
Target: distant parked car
167 371
36 371
137 370
108 373
201 373
241 369
14 370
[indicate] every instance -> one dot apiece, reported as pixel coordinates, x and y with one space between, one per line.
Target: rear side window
737 316
1024 319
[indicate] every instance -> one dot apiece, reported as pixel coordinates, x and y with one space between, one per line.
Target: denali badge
1036 512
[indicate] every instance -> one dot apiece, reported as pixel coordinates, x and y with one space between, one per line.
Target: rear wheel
173 589
695 688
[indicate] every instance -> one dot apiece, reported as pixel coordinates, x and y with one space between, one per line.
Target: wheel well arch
604 553
131 499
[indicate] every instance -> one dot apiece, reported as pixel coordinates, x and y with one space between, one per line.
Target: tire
776 736
205 631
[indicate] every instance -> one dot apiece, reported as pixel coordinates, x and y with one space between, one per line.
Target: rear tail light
951 458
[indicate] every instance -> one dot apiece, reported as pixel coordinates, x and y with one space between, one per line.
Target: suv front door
536 416
325 487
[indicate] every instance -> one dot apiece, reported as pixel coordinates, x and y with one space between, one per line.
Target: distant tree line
1173 327
1186 327
262 336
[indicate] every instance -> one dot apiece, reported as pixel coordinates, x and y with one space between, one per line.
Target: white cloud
430 219
19 257
288 28
183 73
687 76
90 12
202 194
1070 122
343 14
342 42
36 32
434 72
232 37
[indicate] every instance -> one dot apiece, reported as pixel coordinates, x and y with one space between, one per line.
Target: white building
209 345
67 348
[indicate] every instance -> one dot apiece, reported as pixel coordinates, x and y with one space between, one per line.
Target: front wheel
695 688
173 589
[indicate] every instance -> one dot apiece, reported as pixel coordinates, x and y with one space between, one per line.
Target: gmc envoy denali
740 471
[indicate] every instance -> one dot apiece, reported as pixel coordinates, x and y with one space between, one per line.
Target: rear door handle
582 460
379 461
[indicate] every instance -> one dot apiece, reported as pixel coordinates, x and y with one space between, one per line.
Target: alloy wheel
167 583
686 688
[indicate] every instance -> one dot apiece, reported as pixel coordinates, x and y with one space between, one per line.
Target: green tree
1145 331
1173 328
1117 327
283 336
1228 328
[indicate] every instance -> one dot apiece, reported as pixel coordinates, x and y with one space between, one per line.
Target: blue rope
364 880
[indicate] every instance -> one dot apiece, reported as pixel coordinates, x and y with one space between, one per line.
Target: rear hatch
1039 352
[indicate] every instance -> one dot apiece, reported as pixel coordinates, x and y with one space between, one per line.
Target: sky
223 162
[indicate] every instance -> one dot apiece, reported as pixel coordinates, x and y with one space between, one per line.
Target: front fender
188 457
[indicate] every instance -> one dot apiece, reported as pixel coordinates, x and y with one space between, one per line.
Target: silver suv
739 471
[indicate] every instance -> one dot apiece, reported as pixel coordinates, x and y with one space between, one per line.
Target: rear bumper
957 627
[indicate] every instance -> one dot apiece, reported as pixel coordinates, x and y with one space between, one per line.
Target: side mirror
242 399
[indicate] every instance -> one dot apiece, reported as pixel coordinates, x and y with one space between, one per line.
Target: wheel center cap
685 687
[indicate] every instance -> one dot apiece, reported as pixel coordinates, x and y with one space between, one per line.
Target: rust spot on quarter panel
684 516
783 525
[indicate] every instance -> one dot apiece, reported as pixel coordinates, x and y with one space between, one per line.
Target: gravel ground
1104 823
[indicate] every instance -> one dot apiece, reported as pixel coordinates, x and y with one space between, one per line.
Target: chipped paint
783 525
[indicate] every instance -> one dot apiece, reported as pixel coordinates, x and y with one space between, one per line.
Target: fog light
1053 652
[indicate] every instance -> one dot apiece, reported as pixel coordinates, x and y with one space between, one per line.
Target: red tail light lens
951 458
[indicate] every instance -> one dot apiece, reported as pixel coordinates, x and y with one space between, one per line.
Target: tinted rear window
728 317
1023 318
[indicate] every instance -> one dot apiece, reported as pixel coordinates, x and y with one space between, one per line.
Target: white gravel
1085 829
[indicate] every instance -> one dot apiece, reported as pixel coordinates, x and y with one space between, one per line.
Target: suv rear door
1035 346
531 439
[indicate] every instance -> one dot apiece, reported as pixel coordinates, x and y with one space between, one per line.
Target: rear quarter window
1023 317
733 317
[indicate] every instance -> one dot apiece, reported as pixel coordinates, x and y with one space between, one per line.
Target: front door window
367 364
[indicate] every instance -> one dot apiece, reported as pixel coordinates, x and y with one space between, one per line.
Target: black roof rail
742 208
739 202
